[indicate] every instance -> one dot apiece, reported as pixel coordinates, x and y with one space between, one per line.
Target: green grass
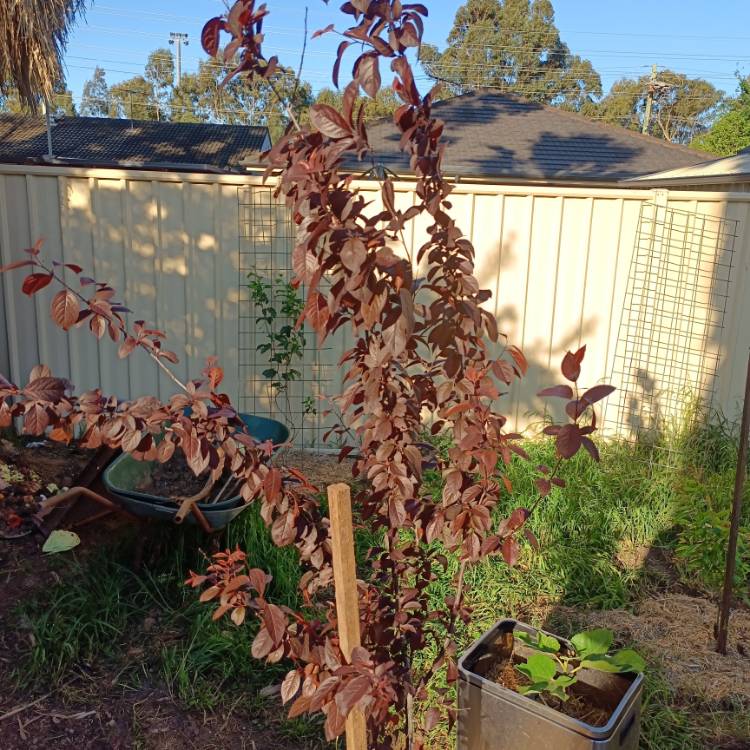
100 611
147 627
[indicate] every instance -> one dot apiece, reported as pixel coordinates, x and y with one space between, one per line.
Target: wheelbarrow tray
125 474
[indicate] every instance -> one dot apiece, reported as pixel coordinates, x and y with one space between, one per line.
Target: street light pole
178 38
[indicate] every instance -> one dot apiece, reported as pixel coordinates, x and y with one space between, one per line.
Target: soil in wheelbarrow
174 479
30 472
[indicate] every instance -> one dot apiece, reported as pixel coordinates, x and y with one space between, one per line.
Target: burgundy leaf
290 686
544 486
533 541
329 122
36 420
258 580
569 440
300 706
571 368
352 693
262 644
36 249
367 73
326 30
16 264
590 446
275 621
337 65
519 359
597 393
46 389
210 36
35 282
511 551
557 391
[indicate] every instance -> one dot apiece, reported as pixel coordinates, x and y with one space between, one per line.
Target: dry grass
678 632
33 34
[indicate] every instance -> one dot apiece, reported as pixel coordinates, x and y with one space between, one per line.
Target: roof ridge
125 120
487 91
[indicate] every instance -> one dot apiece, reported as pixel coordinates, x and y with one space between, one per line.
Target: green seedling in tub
554 668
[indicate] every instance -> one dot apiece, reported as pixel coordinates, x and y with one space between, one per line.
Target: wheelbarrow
125 474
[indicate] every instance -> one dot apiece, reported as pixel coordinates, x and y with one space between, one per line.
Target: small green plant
284 345
703 514
554 668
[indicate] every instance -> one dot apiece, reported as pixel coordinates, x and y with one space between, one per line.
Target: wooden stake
722 628
347 598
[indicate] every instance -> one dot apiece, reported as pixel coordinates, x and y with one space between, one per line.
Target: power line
207 63
111 10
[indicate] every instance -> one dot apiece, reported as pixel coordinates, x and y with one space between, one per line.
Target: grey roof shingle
492 135
96 141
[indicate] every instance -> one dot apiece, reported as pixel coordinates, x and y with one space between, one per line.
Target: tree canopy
95 97
200 97
730 133
512 46
683 107
383 105
60 102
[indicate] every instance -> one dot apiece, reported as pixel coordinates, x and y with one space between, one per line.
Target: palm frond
33 34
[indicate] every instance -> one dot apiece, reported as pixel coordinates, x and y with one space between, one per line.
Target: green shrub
703 515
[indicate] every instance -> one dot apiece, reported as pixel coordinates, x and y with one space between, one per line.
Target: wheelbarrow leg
72 495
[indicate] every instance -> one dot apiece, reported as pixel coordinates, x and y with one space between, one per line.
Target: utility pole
179 39
649 101
656 90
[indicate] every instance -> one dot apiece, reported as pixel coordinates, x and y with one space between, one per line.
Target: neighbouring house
110 143
728 174
501 139
178 222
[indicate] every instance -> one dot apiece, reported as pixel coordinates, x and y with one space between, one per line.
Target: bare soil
321 469
29 474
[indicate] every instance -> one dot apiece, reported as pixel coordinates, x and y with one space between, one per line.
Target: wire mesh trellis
669 344
266 239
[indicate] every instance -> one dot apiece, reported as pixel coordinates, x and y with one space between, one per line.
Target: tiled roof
492 135
96 141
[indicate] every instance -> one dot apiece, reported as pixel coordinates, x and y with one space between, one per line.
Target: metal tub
492 717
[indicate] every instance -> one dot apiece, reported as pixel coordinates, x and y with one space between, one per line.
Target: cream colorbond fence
557 261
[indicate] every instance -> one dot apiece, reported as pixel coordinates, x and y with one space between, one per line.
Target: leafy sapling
554 668
279 306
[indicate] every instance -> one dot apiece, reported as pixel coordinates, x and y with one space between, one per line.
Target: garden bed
138 650
29 472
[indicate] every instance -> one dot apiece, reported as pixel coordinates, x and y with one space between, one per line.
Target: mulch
677 632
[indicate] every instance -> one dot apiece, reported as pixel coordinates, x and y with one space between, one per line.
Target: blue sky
700 38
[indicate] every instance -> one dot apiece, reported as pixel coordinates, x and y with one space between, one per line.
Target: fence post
347 599
722 627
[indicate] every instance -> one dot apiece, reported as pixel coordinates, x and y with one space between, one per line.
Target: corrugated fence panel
20 309
736 339
78 221
141 247
557 261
